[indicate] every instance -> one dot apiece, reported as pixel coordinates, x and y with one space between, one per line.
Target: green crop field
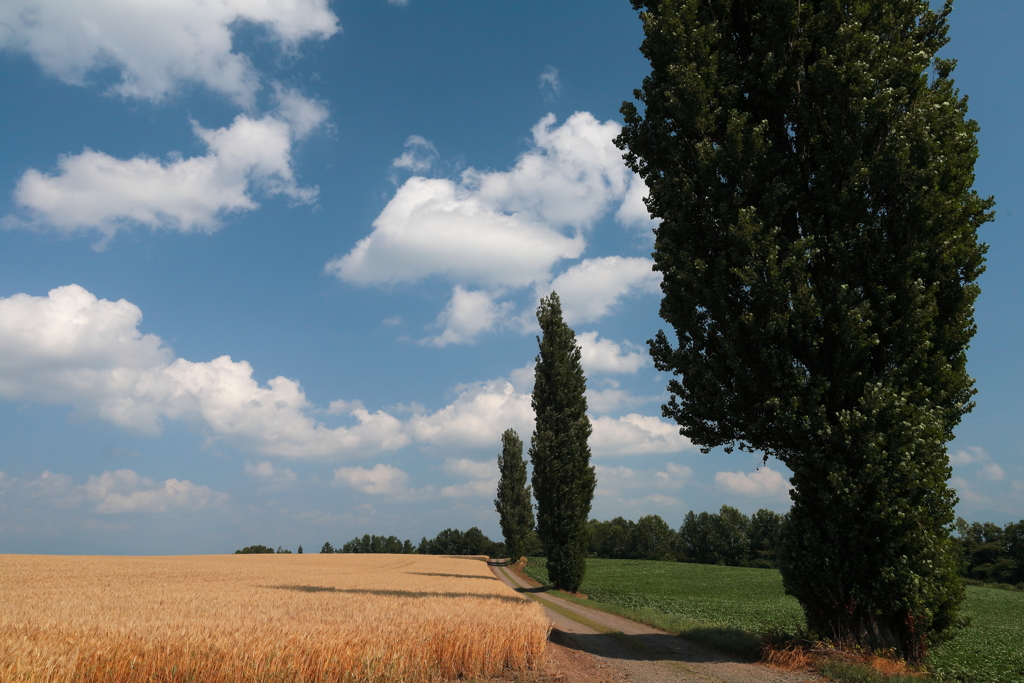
685 597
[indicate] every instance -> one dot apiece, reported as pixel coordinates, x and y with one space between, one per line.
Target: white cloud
761 482
610 400
592 288
467 315
497 228
635 434
633 212
157 46
382 480
472 469
604 355
97 192
433 226
121 491
674 475
476 418
614 474
126 491
662 499
419 155
549 83
71 348
968 495
269 473
988 469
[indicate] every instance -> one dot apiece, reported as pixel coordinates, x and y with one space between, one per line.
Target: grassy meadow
733 606
261 618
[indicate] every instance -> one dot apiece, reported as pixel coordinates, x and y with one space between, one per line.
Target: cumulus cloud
635 434
604 355
592 288
974 455
121 491
761 482
497 228
633 211
674 475
549 83
435 227
613 399
467 315
472 420
268 473
483 478
418 157
156 47
71 348
93 191
382 480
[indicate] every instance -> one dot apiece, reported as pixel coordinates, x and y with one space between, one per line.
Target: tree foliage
514 503
812 165
378 544
254 550
990 553
456 542
563 478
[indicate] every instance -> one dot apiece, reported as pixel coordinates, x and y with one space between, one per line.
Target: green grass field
732 606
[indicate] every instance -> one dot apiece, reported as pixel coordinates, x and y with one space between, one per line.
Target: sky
269 270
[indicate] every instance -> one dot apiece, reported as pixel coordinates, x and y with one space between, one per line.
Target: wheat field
260 618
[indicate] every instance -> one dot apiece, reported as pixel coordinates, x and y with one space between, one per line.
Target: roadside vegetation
738 609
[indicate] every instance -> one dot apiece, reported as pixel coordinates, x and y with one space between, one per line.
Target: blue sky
268 274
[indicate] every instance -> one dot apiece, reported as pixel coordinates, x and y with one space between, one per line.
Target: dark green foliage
563 478
282 551
819 257
611 539
763 538
299 551
327 548
254 550
378 544
653 539
722 538
990 553
455 542
514 505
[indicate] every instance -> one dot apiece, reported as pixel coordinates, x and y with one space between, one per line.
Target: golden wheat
260 618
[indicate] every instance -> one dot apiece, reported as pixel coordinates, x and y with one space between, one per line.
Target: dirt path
591 646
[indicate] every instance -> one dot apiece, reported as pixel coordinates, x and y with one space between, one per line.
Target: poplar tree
812 164
514 504
563 478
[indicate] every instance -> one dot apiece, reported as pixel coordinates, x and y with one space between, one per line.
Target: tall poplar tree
514 504
563 478
812 164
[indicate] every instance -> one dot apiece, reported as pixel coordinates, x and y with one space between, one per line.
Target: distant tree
764 535
652 539
612 539
563 478
299 551
254 550
731 543
456 542
697 538
282 551
327 548
812 164
514 504
377 544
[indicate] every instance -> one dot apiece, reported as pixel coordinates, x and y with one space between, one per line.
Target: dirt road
590 646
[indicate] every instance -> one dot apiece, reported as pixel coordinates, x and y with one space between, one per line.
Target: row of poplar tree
810 165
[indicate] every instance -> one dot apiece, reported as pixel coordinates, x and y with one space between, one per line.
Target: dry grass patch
261 618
